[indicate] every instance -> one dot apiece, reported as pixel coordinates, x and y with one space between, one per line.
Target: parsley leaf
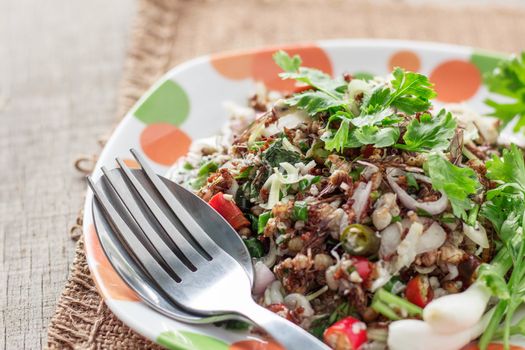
457 183
385 117
339 140
314 102
510 168
379 137
508 79
310 76
412 91
376 101
287 63
429 133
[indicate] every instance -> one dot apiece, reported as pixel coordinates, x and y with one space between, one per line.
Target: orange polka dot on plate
456 80
408 60
164 143
255 345
266 70
234 67
109 283
132 163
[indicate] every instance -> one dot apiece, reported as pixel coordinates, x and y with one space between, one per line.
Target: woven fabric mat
167 32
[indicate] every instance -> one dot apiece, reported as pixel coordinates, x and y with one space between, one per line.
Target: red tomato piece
346 334
418 291
228 210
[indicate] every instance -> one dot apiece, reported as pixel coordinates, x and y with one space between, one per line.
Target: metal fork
183 260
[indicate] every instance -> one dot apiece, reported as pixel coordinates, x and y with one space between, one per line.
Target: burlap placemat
167 32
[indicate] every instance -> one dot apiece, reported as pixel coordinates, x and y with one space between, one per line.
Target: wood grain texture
60 63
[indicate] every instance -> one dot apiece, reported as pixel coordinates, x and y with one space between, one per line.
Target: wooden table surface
60 64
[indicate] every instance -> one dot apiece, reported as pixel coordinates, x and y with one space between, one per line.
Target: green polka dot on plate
183 340
169 103
486 61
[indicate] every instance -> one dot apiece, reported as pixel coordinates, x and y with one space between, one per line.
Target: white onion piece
270 258
263 277
233 188
424 269
361 197
370 169
296 300
406 251
289 121
273 294
433 208
390 239
456 312
431 239
453 272
477 234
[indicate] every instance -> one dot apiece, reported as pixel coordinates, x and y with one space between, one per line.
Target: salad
375 219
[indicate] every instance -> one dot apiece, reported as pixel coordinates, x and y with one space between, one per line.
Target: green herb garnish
456 182
300 211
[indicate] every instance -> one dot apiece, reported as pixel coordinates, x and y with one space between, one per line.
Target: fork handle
288 334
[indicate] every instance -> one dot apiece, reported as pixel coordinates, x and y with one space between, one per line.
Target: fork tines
168 241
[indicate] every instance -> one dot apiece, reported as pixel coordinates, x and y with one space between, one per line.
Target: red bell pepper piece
418 291
346 334
228 210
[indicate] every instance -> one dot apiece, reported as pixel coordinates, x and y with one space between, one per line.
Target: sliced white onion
273 294
406 251
370 169
296 300
270 258
390 239
361 197
431 239
453 272
263 277
305 169
433 208
233 188
477 234
424 269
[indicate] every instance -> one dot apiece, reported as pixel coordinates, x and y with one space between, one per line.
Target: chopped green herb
356 172
429 133
263 220
277 154
412 91
457 183
244 174
373 135
300 211
375 195
340 139
320 325
254 246
508 79
447 218
396 218
330 91
187 166
411 181
208 168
